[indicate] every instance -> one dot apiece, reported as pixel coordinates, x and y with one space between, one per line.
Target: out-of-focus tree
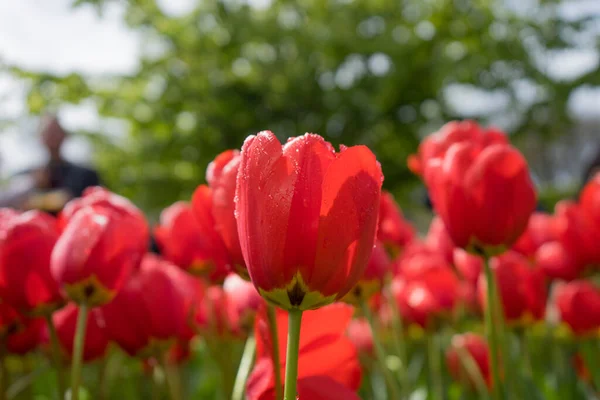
375 72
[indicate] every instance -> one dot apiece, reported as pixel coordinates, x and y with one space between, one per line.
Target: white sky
47 35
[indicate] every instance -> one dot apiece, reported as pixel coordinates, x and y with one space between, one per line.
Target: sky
48 35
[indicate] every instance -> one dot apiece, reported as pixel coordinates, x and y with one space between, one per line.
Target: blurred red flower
469 344
153 309
135 224
187 237
484 196
541 229
221 176
578 304
426 289
10 320
393 231
26 243
328 366
436 145
307 217
360 333
579 234
95 254
522 289
244 299
96 340
217 314
378 269
27 338
556 262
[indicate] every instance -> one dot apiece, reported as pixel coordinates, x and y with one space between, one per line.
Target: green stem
590 351
56 355
77 362
473 371
291 359
491 330
172 378
102 378
244 368
380 354
399 342
272 322
435 367
525 354
155 389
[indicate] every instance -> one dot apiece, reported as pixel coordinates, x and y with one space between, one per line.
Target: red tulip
521 288
439 240
469 268
221 176
217 315
436 145
378 269
152 309
27 338
484 197
556 261
307 217
94 255
244 298
394 231
26 243
188 238
472 345
360 333
426 290
96 341
468 265
541 229
590 198
134 225
328 366
10 320
578 303
579 234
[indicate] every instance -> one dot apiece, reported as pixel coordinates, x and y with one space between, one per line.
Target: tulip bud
484 195
521 288
393 231
468 345
26 243
578 304
187 238
94 255
221 175
135 225
96 341
244 298
151 312
307 217
426 290
436 145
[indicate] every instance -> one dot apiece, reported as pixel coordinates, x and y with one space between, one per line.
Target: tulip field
291 274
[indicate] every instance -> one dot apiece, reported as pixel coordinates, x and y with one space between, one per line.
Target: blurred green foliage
355 71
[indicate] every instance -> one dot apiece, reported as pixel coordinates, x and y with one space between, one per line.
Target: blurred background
149 91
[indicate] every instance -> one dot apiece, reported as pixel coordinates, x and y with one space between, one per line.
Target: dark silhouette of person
62 173
64 180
